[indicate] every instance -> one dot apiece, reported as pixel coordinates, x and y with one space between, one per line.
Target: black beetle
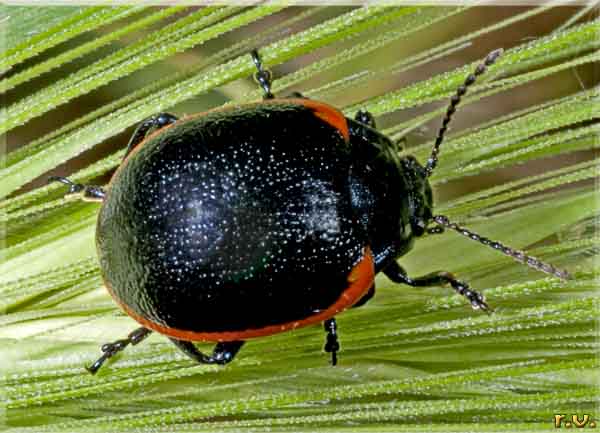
251 220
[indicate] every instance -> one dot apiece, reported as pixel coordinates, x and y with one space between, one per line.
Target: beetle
255 219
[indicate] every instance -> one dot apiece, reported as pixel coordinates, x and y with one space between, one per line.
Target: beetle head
420 198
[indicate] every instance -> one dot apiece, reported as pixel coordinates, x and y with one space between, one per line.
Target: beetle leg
331 343
223 352
111 349
262 76
85 192
365 118
155 122
395 273
438 230
400 144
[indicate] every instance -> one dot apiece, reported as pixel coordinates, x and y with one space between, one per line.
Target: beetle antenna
519 256
84 192
454 101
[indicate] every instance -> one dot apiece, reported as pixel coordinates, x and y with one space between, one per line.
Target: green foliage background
413 359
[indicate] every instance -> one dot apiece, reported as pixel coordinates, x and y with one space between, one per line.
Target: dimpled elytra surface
237 219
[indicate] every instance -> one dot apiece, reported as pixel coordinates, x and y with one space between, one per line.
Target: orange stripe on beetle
360 280
329 114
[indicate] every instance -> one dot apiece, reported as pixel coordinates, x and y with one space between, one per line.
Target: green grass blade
80 22
39 69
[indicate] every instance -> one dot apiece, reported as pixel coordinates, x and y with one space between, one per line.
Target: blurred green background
319 86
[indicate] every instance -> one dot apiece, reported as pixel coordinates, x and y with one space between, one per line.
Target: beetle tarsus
111 349
476 299
397 274
332 344
223 352
77 190
262 76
